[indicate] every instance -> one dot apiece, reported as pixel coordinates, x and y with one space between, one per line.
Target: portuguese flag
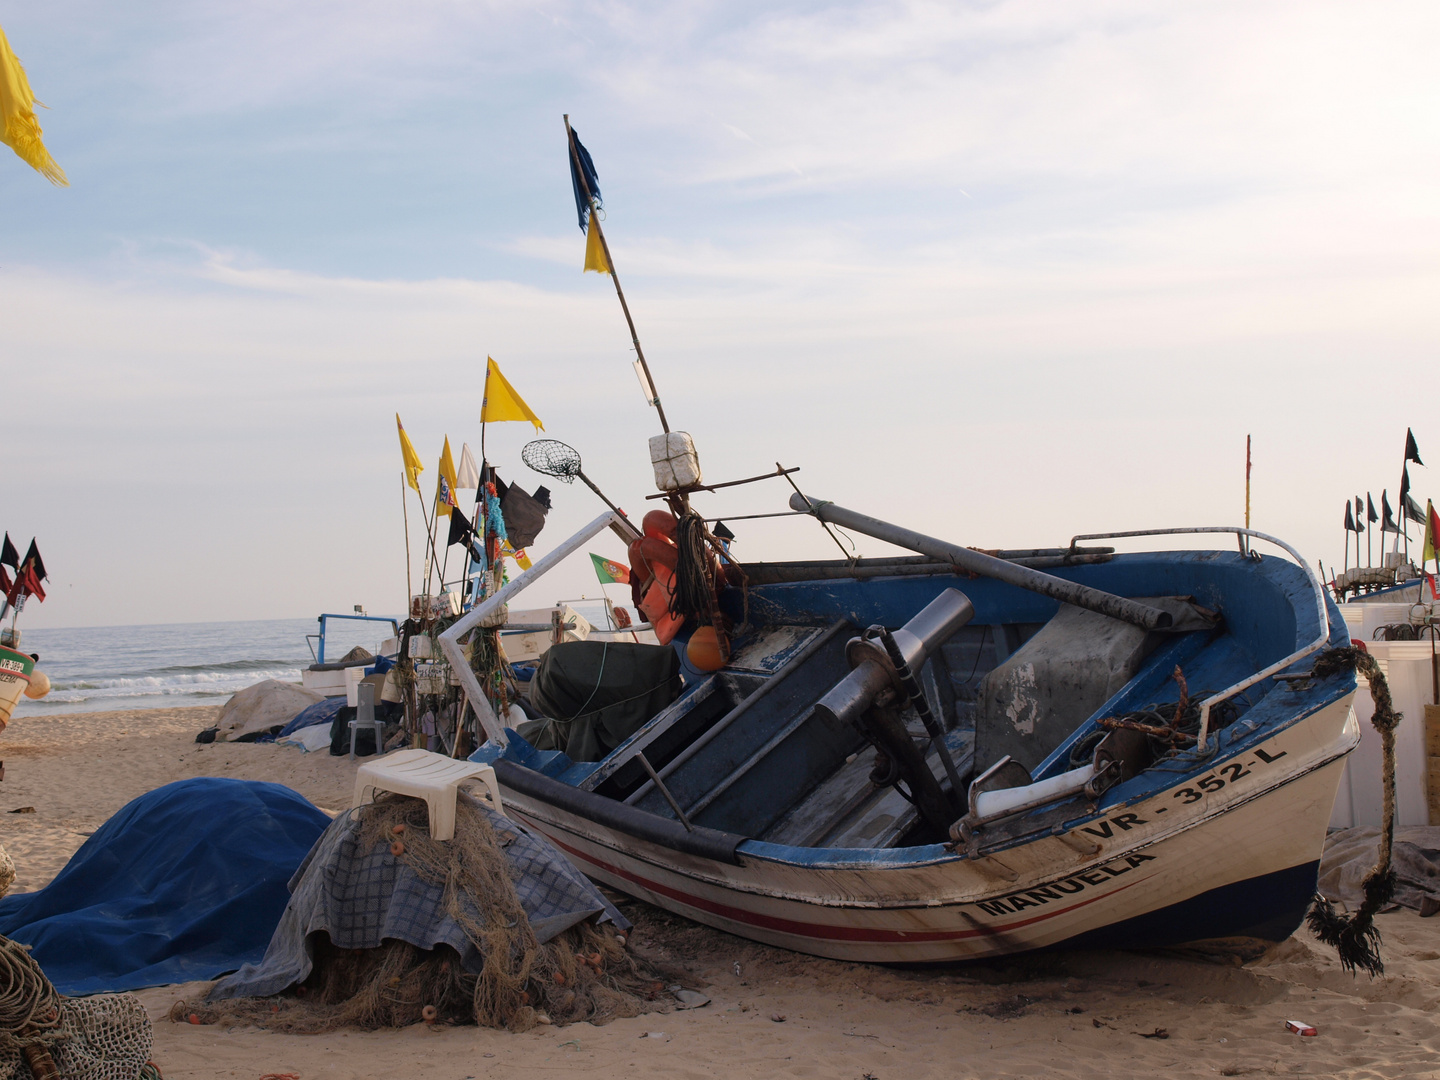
610 572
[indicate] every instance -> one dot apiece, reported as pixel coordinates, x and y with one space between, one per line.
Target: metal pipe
872 668
1068 592
922 708
645 764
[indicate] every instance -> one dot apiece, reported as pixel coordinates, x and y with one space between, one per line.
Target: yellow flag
19 129
413 466
1429 551
520 556
445 487
594 250
501 401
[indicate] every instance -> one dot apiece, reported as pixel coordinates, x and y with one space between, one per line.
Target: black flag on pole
1349 518
1370 515
35 563
460 529
1387 516
8 555
1412 452
1359 514
580 163
1411 509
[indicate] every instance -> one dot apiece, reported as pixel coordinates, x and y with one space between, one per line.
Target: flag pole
610 262
1247 481
430 539
405 512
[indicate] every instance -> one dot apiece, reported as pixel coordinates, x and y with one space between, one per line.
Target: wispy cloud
1043 264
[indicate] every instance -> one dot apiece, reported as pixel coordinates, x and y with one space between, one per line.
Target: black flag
8 555
1404 485
1411 509
1359 514
580 163
33 560
1370 514
460 529
1349 518
1412 452
1387 516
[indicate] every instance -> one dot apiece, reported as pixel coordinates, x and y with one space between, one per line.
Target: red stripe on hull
816 930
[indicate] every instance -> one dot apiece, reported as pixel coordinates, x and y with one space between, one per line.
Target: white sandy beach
1078 1015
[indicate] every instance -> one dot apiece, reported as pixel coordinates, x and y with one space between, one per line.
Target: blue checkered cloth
364 897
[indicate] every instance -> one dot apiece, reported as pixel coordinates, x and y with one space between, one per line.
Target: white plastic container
353 677
676 463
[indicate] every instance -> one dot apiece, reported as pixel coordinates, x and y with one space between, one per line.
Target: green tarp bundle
596 694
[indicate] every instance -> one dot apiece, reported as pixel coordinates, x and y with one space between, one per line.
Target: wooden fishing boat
904 762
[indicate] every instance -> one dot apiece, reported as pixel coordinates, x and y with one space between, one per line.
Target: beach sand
1081 1015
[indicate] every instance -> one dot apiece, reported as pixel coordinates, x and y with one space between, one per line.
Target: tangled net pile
583 973
45 1036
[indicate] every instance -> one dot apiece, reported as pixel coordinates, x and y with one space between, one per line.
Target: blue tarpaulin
184 883
322 712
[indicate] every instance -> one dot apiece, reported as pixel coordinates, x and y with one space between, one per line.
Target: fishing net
44 1036
1165 728
584 973
552 458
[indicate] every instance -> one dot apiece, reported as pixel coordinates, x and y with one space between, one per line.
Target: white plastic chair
432 777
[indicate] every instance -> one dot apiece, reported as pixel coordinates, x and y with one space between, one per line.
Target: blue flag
580 161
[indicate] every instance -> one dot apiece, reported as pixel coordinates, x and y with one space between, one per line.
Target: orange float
703 650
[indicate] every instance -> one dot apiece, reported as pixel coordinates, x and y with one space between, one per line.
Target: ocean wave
203 684
231 665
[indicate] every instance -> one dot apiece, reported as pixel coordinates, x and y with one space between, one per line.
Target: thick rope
1356 938
29 1009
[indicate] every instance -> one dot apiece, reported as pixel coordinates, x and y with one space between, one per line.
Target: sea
97 668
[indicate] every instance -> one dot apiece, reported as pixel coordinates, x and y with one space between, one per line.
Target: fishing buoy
659 524
397 848
39 685
429 1014
703 651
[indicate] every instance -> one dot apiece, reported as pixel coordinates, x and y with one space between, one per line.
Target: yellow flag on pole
445 488
1428 552
413 465
19 129
501 401
594 250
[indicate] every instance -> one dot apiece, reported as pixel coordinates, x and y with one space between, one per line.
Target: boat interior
746 751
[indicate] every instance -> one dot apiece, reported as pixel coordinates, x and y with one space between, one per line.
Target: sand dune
1083 1015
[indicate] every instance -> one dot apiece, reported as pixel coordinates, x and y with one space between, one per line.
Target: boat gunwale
728 848
935 855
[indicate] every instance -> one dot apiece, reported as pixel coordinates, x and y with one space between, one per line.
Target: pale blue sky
1001 271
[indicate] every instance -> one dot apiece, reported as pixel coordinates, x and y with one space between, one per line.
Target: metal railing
1241 534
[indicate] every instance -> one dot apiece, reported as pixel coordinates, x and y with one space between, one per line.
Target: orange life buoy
655 606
